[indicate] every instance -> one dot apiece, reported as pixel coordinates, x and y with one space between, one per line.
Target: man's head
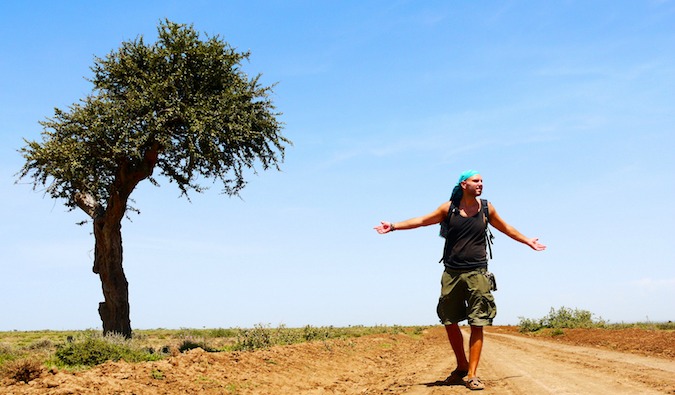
472 185
469 181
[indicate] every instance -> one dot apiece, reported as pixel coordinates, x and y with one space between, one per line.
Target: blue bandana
466 175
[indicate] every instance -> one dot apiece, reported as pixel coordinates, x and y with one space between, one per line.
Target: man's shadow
446 383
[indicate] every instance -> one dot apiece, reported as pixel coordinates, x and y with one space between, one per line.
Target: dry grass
23 369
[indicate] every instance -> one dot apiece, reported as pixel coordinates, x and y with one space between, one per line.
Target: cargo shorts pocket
482 310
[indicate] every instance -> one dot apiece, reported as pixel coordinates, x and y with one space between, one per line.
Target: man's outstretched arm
433 217
502 226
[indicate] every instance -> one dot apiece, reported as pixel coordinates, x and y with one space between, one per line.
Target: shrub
190 343
311 333
7 353
25 369
529 325
562 318
252 339
222 332
95 349
568 318
41 345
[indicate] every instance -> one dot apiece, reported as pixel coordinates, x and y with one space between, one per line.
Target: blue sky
566 108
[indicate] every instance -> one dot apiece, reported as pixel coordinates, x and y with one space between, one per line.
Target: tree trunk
114 310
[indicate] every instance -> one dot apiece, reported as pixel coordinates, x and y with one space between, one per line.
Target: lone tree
181 105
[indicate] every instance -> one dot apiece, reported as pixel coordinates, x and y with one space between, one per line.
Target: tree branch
88 204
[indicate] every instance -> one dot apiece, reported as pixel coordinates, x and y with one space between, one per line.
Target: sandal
474 384
456 377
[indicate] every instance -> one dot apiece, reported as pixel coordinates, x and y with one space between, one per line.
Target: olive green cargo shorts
465 295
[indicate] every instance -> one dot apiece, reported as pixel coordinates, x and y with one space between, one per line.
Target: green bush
222 332
557 332
529 325
252 339
191 343
561 318
41 345
7 353
93 350
568 318
311 333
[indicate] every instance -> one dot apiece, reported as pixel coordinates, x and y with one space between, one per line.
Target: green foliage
182 104
311 333
252 339
190 343
90 350
7 353
42 344
667 326
529 325
561 318
557 332
261 336
664 326
157 374
221 332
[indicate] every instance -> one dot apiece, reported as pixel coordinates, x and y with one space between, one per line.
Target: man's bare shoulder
444 208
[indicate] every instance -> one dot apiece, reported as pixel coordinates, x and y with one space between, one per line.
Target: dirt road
384 364
514 365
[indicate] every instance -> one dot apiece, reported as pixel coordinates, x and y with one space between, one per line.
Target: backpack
445 226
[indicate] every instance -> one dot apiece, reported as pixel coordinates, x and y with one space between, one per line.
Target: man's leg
457 343
475 348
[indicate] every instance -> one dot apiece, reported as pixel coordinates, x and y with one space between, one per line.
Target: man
465 289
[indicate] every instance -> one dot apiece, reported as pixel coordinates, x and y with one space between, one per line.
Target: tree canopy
181 104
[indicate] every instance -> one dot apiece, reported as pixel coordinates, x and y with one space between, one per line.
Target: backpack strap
445 225
489 238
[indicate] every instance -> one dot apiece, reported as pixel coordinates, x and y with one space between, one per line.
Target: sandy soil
578 362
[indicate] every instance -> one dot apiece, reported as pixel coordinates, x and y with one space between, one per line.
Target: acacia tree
182 106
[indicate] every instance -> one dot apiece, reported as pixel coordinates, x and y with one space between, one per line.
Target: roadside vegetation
25 355
566 318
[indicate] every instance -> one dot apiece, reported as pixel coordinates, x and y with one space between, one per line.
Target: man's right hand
384 227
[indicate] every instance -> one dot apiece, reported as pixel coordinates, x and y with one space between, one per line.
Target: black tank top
465 247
